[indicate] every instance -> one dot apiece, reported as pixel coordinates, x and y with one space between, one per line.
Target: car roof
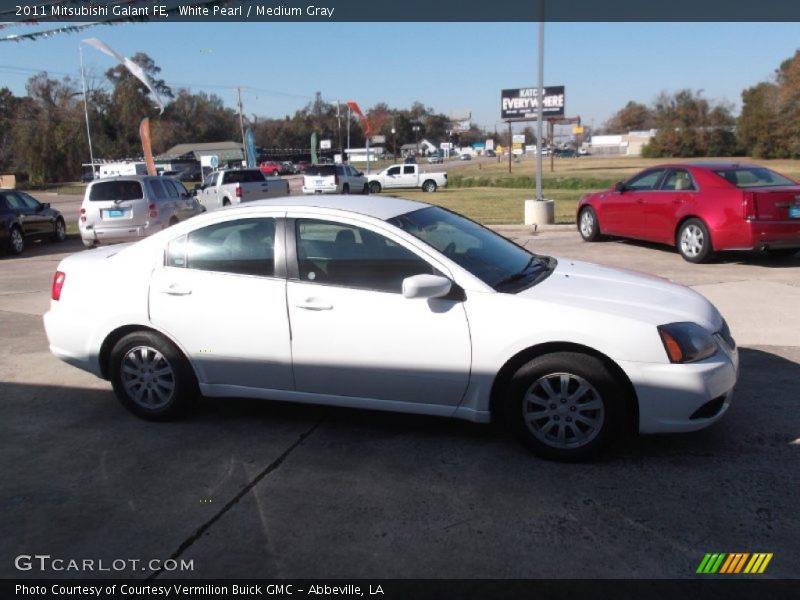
383 207
711 164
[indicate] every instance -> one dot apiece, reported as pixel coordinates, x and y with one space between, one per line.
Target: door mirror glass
426 286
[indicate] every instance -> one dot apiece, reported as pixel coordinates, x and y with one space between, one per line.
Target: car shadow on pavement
46 248
743 257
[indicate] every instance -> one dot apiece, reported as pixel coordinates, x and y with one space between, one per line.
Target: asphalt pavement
249 488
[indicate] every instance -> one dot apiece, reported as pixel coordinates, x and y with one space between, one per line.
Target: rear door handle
640 201
314 305
176 290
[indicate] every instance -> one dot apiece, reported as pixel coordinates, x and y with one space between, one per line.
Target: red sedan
699 208
270 168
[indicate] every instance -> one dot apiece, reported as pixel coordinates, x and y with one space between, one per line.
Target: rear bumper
758 235
62 332
321 190
105 234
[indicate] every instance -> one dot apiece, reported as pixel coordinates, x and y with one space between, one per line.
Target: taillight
58 284
153 210
238 191
749 209
83 215
336 179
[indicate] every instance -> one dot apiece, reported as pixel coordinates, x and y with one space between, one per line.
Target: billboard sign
522 103
378 139
324 144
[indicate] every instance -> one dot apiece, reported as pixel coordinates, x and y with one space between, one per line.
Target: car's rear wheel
374 187
694 241
16 240
346 188
226 202
565 406
151 377
429 186
59 230
587 224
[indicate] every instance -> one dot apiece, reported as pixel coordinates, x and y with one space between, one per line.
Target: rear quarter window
116 190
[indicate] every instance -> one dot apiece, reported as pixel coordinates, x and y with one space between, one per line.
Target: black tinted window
393 171
242 247
408 170
320 170
116 190
338 254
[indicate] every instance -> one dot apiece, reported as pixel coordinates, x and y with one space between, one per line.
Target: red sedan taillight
749 208
153 210
58 284
238 191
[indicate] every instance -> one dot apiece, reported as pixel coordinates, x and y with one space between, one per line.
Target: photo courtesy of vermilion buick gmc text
389 304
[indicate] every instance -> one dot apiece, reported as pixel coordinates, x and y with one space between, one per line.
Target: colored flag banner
364 121
135 69
147 148
250 147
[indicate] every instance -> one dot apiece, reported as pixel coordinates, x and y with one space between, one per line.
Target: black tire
226 202
346 189
590 420
781 252
429 186
16 240
59 230
694 242
366 189
588 226
173 221
88 244
374 187
167 395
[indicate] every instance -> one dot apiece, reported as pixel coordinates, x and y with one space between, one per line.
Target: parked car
270 168
491 153
288 168
234 186
565 153
125 208
700 208
435 159
302 165
584 152
334 179
169 173
193 174
23 219
406 176
466 156
390 304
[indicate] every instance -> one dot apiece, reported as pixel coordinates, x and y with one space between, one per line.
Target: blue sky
449 66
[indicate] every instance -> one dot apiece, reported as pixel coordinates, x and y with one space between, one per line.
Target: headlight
686 342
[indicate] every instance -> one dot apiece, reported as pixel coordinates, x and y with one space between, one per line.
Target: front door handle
176 290
312 304
640 201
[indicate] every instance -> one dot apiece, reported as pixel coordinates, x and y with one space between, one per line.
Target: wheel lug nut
572 408
569 419
563 400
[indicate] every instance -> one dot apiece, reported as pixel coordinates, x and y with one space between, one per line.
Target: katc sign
523 103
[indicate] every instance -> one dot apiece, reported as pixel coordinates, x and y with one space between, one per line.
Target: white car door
353 332
218 296
409 177
393 177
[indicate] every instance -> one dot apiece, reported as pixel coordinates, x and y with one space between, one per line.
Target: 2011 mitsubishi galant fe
389 304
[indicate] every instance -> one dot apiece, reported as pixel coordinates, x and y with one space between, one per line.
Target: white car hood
626 293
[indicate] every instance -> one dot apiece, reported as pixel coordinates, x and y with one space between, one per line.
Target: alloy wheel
563 410
587 223
17 241
147 377
692 240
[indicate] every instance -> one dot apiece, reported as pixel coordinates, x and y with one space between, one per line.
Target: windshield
490 257
747 177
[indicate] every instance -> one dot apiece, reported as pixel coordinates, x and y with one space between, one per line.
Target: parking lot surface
263 489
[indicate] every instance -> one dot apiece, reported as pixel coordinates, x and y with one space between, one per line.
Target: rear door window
678 180
408 170
116 190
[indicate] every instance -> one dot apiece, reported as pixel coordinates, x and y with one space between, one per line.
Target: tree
632 117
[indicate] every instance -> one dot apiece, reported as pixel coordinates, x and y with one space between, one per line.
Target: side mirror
619 186
426 286
44 205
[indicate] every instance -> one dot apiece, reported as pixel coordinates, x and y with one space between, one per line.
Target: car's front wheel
374 187
694 241
565 406
151 377
59 231
587 224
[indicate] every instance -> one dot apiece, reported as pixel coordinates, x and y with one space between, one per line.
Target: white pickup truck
234 186
406 176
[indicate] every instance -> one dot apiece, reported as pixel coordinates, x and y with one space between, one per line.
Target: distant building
423 148
185 156
359 155
629 144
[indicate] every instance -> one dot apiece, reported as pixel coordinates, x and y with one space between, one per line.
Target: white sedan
391 304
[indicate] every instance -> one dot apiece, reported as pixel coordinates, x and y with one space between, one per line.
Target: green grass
496 206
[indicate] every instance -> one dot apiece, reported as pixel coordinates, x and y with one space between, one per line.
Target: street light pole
86 111
540 104
416 137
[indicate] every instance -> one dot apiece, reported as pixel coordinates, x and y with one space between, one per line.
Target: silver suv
334 179
126 208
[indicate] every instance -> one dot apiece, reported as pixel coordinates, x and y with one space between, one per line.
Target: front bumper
676 398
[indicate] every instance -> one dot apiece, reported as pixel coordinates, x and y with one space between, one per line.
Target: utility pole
339 123
241 123
540 106
86 112
348 130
